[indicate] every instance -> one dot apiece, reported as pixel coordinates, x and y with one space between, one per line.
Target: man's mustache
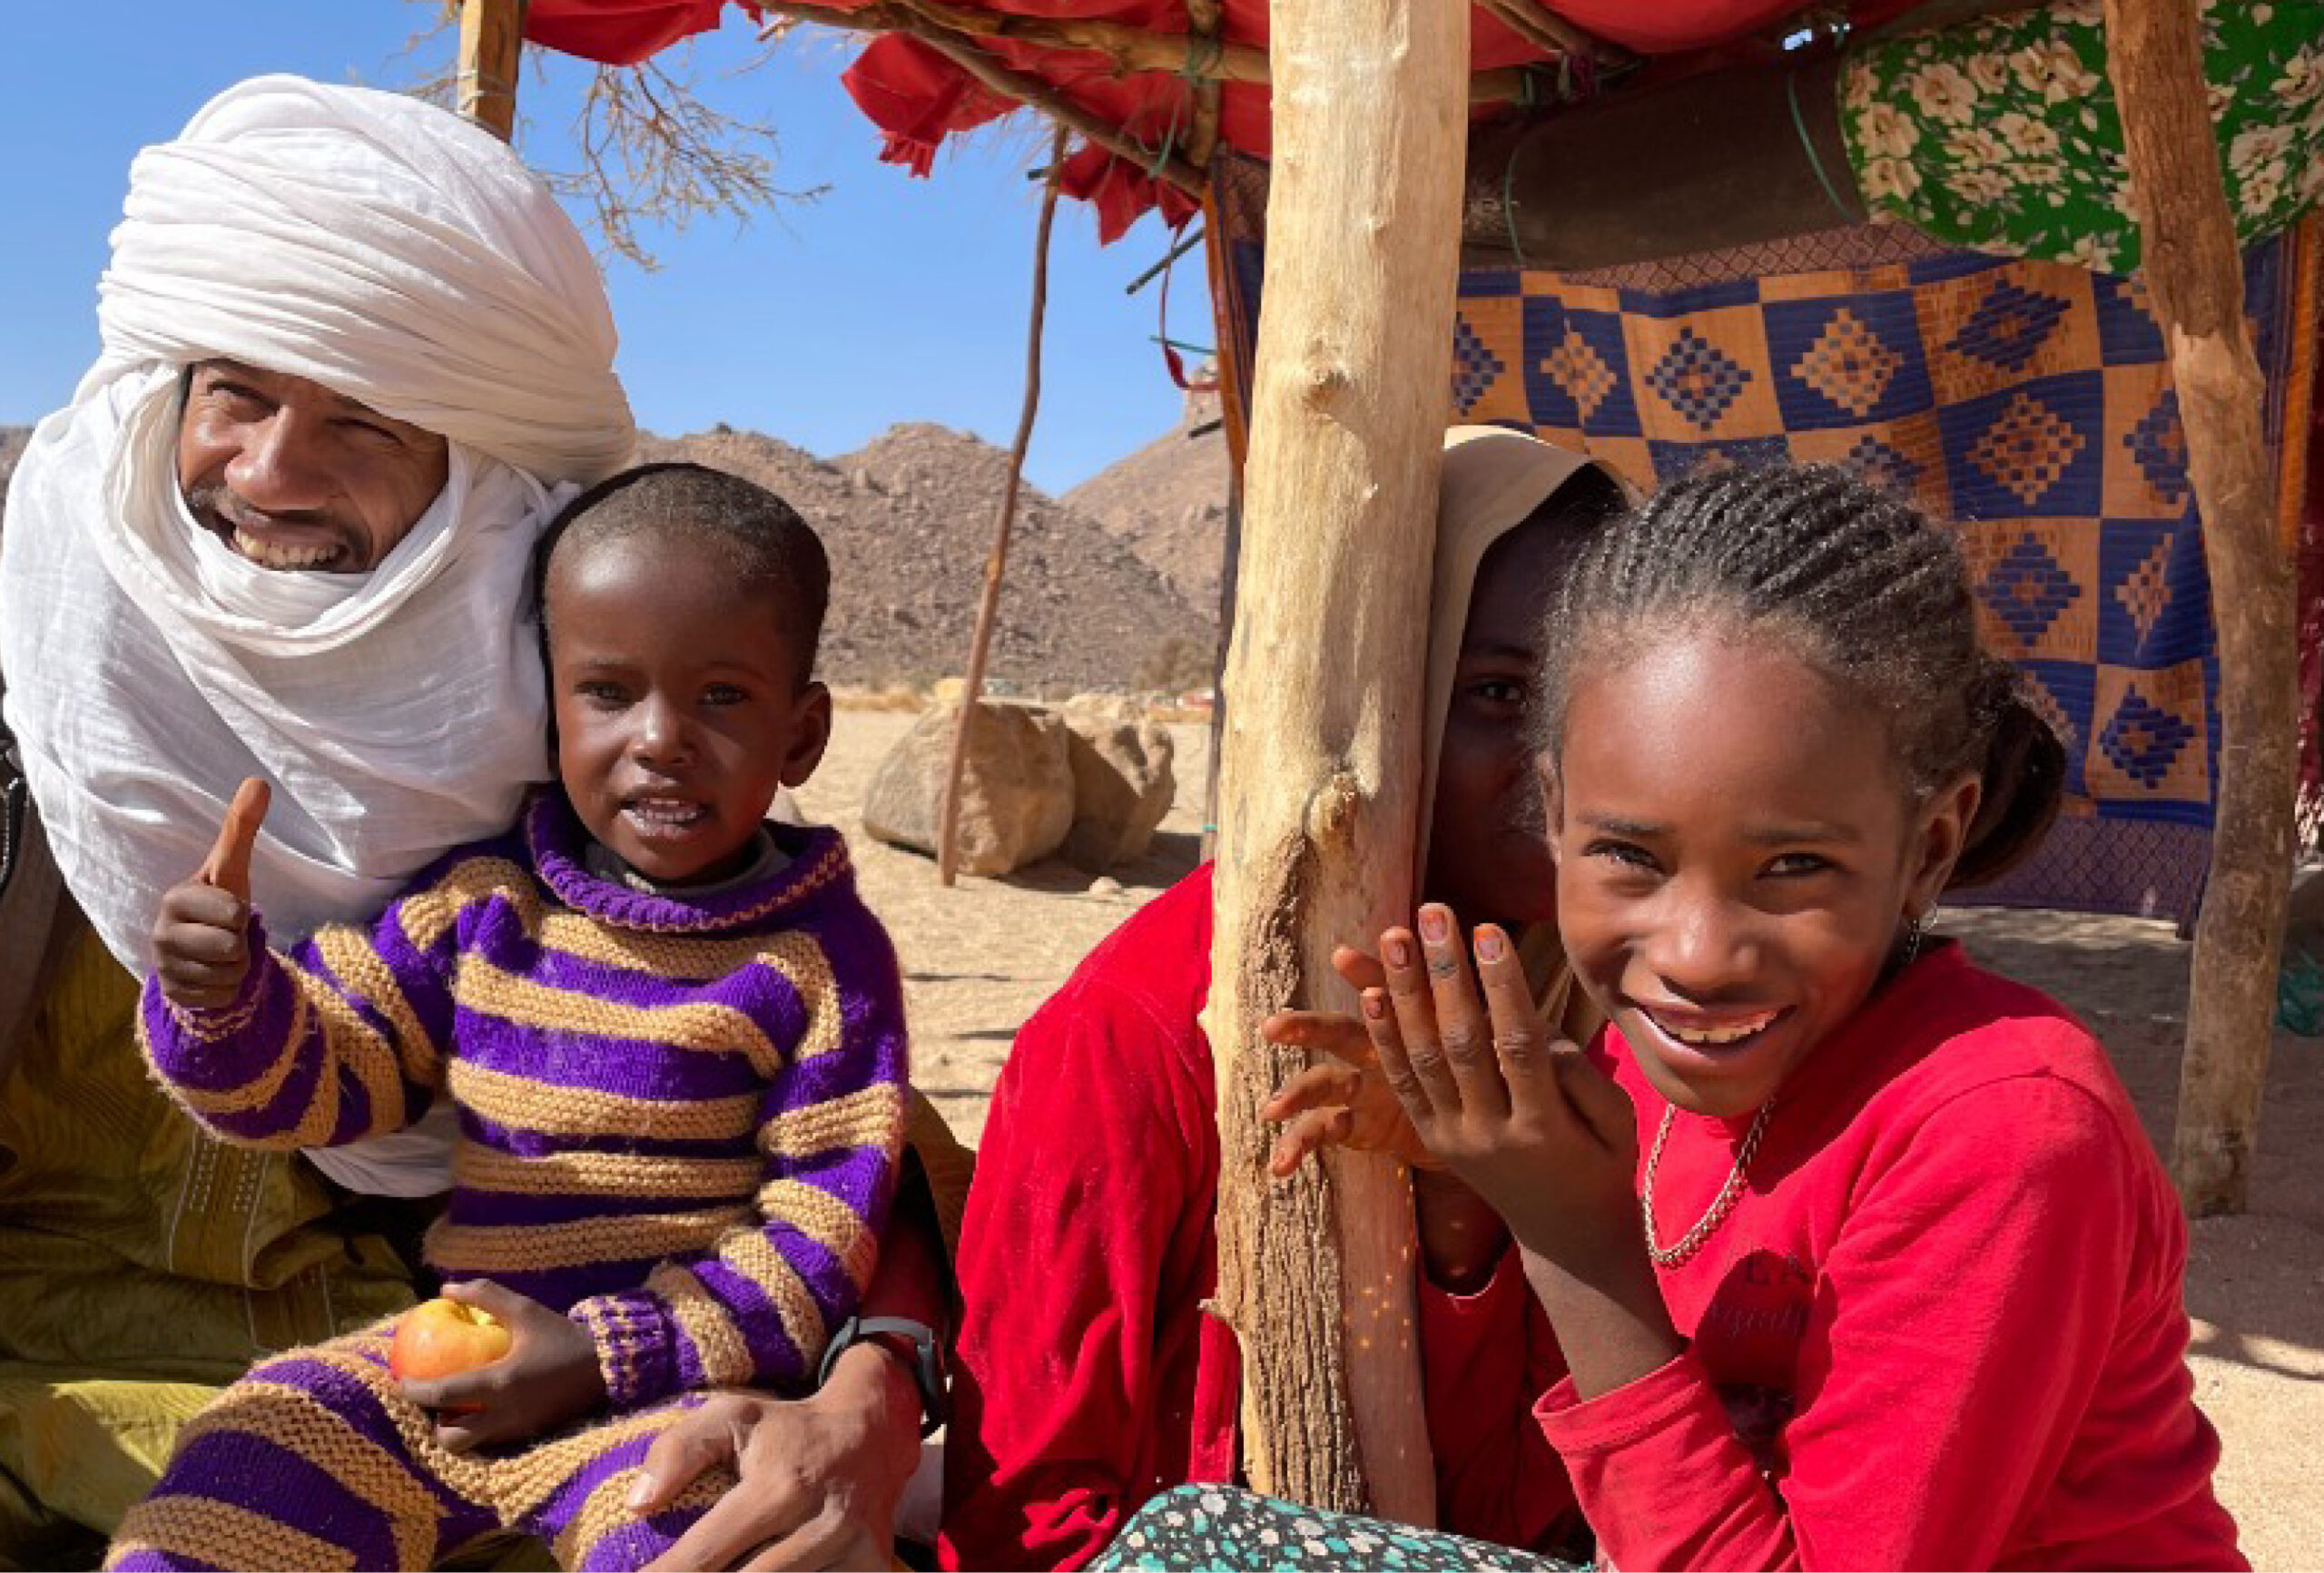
216 501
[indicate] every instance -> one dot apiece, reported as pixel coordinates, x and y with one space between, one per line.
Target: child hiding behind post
675 1040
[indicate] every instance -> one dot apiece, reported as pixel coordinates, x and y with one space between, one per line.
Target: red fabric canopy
917 97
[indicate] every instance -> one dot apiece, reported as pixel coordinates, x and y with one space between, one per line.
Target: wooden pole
1132 51
1320 779
2196 278
948 818
989 72
1205 21
492 45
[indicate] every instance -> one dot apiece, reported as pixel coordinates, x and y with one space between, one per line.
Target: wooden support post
948 814
2196 279
492 46
1205 21
1321 771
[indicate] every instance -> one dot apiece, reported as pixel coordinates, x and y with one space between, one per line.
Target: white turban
384 248
399 256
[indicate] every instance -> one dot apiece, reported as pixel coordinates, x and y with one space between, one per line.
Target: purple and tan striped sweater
679 1120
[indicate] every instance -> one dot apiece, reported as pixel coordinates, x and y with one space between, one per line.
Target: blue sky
890 299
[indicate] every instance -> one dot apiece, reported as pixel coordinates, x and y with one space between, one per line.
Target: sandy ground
980 958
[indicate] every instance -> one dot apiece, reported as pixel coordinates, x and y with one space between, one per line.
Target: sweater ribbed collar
553 835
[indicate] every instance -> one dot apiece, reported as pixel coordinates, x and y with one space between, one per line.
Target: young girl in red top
1857 1254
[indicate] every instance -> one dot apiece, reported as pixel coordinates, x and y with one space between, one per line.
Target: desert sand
980 958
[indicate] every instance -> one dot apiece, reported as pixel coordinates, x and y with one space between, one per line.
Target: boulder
1122 781
1016 787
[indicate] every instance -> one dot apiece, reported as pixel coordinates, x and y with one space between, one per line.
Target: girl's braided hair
1860 585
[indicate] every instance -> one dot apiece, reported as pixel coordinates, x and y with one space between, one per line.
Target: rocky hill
12 448
1167 502
908 521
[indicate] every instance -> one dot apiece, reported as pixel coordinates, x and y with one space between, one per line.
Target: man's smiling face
294 477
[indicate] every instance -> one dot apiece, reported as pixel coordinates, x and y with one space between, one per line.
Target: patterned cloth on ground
2030 402
1235 1531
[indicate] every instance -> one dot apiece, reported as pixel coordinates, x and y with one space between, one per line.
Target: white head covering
1493 480
401 257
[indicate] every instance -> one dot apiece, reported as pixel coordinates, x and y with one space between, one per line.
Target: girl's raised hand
1343 1101
1529 1122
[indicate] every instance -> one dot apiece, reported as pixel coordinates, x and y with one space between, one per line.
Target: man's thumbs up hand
200 956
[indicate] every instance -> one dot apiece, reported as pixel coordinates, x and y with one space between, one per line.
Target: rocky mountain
908 521
12 448
1121 592
1167 502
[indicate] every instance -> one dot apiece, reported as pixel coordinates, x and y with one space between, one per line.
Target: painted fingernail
1374 1006
1432 925
1492 944
1396 949
641 1492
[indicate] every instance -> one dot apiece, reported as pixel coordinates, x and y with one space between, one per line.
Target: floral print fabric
1228 1530
2004 136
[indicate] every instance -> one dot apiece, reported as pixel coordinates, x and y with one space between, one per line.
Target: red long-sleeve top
1943 1328
1088 1378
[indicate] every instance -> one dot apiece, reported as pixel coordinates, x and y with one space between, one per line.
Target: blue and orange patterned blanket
2030 402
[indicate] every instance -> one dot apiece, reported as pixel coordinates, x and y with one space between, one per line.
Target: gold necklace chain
1692 1240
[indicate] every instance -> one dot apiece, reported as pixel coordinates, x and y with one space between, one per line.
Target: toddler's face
679 705
1737 856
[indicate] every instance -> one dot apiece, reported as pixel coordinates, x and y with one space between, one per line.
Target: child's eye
1629 854
604 695
723 693
1797 865
1499 690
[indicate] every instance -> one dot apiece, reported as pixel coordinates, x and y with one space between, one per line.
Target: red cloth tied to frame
917 97
617 32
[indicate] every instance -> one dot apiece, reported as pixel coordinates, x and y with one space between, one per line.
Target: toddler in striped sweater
674 1037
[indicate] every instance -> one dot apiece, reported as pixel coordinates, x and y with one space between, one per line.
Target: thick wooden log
1321 766
2196 279
492 47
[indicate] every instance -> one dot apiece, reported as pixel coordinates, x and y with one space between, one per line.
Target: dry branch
947 817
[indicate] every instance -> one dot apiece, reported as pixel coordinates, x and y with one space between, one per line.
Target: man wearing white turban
354 357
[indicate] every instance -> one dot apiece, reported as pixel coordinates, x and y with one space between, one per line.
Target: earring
1915 927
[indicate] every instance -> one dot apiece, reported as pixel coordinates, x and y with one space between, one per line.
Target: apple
440 1338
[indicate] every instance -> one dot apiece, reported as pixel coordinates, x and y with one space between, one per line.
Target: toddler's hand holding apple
201 953
496 1366
439 1338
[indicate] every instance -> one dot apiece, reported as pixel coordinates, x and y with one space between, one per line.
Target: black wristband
926 1362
